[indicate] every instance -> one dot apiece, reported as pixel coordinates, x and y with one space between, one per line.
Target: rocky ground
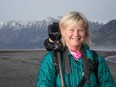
19 69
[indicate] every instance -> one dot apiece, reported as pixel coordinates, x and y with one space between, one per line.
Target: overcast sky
30 10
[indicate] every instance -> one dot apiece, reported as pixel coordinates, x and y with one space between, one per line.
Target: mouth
77 39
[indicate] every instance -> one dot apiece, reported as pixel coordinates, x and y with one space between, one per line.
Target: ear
62 32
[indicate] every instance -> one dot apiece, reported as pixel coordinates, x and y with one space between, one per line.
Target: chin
76 45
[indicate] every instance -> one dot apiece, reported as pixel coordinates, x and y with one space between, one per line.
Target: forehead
77 24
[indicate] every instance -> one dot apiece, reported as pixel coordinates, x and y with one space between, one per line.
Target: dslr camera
53 42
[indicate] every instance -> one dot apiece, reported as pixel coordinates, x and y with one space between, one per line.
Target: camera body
54 40
54 31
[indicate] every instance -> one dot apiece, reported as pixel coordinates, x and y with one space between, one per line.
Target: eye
81 30
71 30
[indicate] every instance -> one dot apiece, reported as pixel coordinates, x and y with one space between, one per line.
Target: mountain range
31 35
105 37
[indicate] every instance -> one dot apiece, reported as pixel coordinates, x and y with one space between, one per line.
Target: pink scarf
76 55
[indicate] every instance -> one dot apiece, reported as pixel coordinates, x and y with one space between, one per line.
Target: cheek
65 33
83 35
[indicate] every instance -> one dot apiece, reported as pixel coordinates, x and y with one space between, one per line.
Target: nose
76 33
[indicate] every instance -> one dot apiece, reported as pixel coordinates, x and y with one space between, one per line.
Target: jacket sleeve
46 74
104 75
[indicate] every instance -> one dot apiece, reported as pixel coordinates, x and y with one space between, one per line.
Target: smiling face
74 35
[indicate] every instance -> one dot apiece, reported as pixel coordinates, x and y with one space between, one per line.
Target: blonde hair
73 18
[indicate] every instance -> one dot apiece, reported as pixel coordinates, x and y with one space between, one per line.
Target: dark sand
19 69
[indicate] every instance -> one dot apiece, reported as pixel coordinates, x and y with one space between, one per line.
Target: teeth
75 38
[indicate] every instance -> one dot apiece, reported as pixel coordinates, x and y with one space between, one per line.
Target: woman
75 35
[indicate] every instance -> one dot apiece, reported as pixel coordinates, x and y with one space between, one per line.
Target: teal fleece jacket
47 73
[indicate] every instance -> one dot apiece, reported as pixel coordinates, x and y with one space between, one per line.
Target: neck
75 49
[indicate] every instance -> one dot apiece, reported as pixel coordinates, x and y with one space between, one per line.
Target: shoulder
48 56
96 57
92 54
47 62
47 59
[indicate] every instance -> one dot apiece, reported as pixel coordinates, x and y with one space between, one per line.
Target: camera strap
88 66
86 77
67 61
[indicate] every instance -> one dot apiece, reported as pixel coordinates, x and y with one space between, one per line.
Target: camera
54 40
54 31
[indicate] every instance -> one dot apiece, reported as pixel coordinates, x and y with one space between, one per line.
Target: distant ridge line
21 50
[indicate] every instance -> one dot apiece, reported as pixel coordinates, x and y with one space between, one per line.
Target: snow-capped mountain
20 35
30 35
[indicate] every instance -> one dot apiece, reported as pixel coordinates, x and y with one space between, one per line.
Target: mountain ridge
31 35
